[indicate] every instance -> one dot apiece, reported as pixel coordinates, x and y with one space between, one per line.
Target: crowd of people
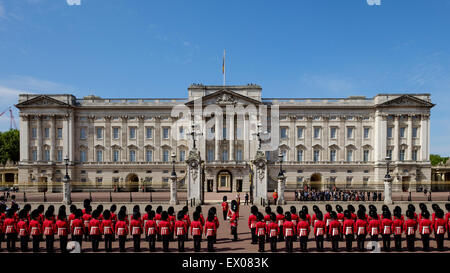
338 225
311 194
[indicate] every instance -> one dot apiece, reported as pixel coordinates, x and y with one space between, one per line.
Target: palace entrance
316 181
132 182
224 181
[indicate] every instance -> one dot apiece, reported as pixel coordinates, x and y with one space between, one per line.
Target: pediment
223 98
42 100
406 101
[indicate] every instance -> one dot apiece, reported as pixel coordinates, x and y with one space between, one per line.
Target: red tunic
261 228
94 227
10 226
374 227
273 229
210 228
62 228
252 221
181 228
280 219
327 219
171 220
334 228
234 219
294 219
303 228
157 219
319 228
49 227
410 227
224 206
361 227
187 220
397 226
121 228
22 227
71 218
145 218
151 228
77 227
35 227
106 227
288 228
348 227
439 226
202 220
135 227
86 218
164 227
425 226
386 226
196 228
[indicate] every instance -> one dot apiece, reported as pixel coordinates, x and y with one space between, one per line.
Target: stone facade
129 143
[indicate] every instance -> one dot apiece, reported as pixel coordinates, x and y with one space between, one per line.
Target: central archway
316 180
224 181
132 182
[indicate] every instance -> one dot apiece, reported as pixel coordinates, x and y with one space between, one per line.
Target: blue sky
298 48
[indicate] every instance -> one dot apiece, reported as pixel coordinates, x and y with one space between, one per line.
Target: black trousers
335 242
254 237
224 215
319 242
426 242
63 243
152 242
108 242
281 235
386 242
137 242
36 242
410 240
165 240
210 243
95 239
261 240
181 243
398 242
86 234
374 238
234 232
289 243
440 241
122 240
303 243
273 244
197 240
24 243
2 238
79 239
360 239
349 241
11 241
49 243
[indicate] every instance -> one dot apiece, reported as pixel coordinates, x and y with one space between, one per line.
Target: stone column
409 140
53 138
65 135
281 186
39 138
124 139
141 137
395 152
358 139
308 139
108 136
157 136
91 136
173 190
341 139
67 200
24 138
71 136
217 133
231 137
388 190
325 139
260 179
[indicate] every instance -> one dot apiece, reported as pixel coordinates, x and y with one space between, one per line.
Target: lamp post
387 183
281 179
66 184
173 185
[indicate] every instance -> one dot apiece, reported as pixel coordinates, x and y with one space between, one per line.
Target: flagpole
223 68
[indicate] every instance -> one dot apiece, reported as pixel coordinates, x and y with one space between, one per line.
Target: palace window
316 156
414 155
149 155
349 132
299 132
332 155
149 133
402 155
132 156
99 155
46 132
239 155
182 155
99 133
59 133
366 132
225 155
389 153
349 155
299 155
83 156
46 155
166 133
299 179
389 132
284 154
333 132
33 132
210 156
132 132
224 133
59 156
115 155
83 133
316 132
181 130
414 132
165 155
402 132
283 133
366 155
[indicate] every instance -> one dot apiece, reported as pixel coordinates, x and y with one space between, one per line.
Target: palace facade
130 143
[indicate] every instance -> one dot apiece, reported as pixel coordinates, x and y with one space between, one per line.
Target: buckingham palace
132 144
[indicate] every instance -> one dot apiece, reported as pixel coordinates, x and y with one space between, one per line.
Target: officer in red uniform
280 222
234 217
425 229
273 230
49 231
2 220
180 230
410 227
210 231
187 220
340 218
327 218
71 217
439 229
136 230
303 231
121 230
348 228
374 225
224 208
171 219
334 231
114 219
201 219
319 229
361 229
252 220
351 208
94 230
165 229
10 229
447 219
157 219
397 229
62 229
267 220
288 231
77 229
197 230
86 219
151 229
23 228
308 217
386 230
107 229
35 229
145 218
294 219
261 229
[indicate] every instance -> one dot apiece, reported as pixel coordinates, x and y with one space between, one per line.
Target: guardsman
145 218
201 219
280 222
267 220
86 219
234 219
171 218
100 213
334 231
151 229
62 229
210 231
136 230
181 230
374 225
303 231
10 229
216 221
314 217
361 229
224 208
308 217
77 229
252 220
187 220
261 230
327 218
2 220
121 230
275 197
288 231
386 230
197 230
114 219
86 203
422 208
397 229
348 228
439 229
435 207
157 218
94 230
319 229
340 218
410 227
124 210
447 219
72 210
49 231
351 208
164 230
425 229
107 229
412 208
35 229
294 220
273 230
23 228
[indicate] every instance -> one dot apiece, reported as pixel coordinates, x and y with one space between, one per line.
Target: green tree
436 159
9 146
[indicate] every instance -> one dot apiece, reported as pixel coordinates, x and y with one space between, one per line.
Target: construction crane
11 118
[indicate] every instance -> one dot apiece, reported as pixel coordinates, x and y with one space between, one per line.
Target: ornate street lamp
66 183
281 179
173 185
280 159
387 183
